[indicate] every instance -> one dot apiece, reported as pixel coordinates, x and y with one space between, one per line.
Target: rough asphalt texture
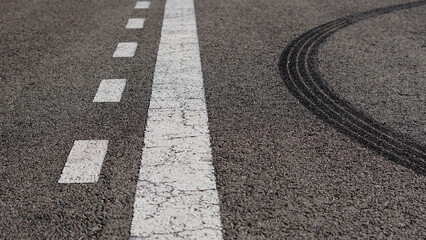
298 68
282 173
54 55
393 53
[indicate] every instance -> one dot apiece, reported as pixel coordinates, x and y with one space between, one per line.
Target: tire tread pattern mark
298 67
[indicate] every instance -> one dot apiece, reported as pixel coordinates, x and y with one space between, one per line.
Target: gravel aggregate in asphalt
281 172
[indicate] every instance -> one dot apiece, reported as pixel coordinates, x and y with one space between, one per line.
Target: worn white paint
142 4
176 195
110 90
84 162
125 49
135 23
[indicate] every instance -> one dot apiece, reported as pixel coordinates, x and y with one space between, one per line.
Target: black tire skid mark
330 99
298 67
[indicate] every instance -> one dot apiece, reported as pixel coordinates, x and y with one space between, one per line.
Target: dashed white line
110 90
135 23
176 195
142 4
84 162
125 49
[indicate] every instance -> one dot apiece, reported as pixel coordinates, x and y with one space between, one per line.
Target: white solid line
125 49
135 23
84 162
142 4
110 90
176 195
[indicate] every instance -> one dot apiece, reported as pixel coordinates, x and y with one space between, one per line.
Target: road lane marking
142 4
125 49
110 90
135 23
84 162
176 195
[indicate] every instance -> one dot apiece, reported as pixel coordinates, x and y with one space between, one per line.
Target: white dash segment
142 4
110 90
125 49
84 162
135 23
176 194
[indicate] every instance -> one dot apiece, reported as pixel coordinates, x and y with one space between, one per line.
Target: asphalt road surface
316 114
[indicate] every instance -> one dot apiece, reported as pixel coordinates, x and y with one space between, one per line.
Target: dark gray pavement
54 54
282 173
379 66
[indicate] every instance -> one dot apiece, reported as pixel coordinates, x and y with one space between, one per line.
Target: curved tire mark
298 68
